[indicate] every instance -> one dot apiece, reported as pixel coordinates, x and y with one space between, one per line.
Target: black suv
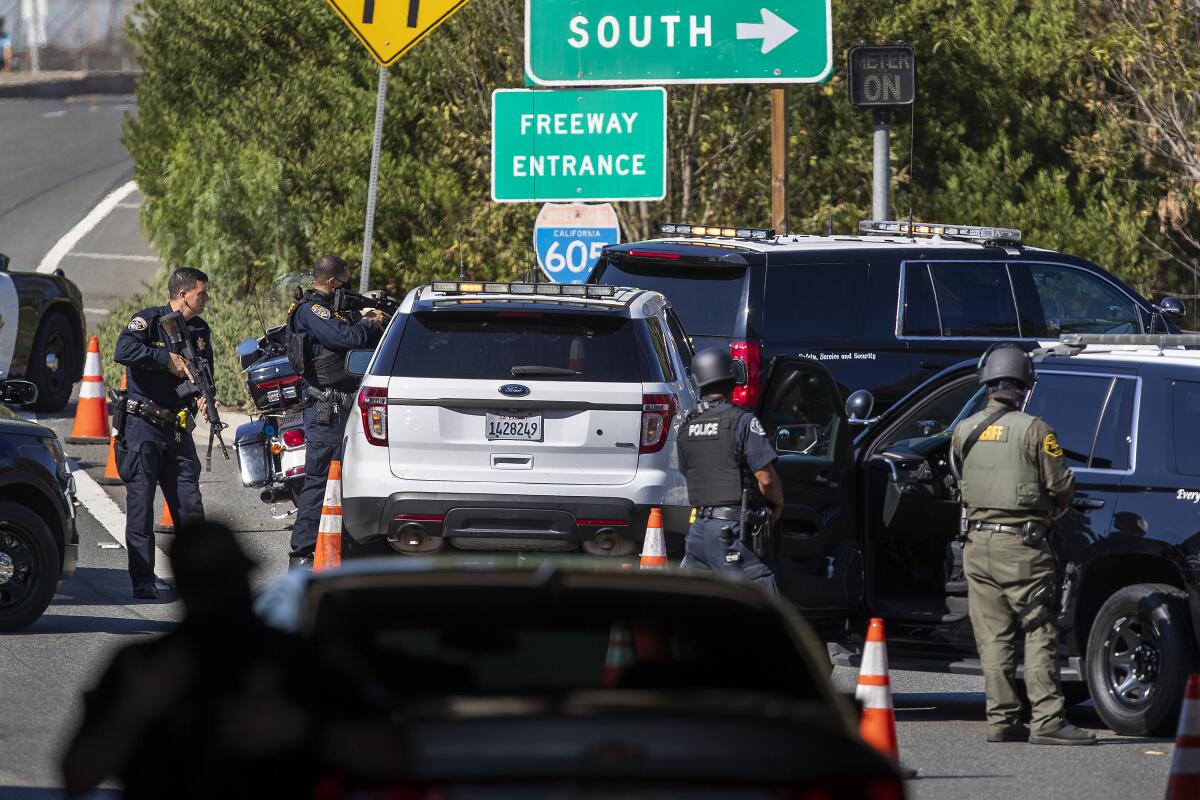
883 310
871 521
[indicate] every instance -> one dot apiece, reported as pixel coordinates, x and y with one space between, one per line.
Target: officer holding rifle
319 334
153 418
729 467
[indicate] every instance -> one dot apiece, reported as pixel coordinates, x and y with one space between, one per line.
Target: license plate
505 426
291 421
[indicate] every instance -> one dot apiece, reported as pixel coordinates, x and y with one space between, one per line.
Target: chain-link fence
68 34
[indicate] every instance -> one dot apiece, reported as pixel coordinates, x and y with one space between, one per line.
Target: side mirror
19 393
4 260
859 406
357 362
1171 307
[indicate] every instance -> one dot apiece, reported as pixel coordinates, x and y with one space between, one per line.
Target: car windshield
498 640
710 301
503 345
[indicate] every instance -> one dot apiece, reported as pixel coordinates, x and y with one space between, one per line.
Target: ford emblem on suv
514 390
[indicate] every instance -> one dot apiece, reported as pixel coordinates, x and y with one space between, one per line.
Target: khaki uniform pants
1003 574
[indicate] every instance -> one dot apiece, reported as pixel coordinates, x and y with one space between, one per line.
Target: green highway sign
615 42
561 146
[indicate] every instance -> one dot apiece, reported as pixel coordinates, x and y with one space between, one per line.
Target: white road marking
113 257
100 311
109 514
85 225
129 205
54 114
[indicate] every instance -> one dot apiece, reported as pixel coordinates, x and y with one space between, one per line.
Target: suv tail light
293 438
657 412
372 402
750 354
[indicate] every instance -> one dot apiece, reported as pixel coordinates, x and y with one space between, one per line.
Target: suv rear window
710 300
1092 416
959 299
507 345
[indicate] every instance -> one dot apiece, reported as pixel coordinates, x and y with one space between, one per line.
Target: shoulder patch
138 324
756 426
1051 447
320 310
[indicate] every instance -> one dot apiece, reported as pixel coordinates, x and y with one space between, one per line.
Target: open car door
820 565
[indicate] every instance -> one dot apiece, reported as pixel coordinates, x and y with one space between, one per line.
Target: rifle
344 300
174 330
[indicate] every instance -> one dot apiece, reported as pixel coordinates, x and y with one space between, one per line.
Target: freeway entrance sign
610 42
569 146
390 28
568 239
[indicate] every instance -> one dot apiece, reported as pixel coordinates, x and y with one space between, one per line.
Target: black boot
301 562
1067 734
1013 733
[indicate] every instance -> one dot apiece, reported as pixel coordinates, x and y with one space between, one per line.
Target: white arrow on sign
773 30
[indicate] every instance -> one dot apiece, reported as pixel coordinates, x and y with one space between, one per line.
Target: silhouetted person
223 706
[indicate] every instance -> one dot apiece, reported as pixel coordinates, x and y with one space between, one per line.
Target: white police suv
523 416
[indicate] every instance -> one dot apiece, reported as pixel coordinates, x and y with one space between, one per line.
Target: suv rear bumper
428 522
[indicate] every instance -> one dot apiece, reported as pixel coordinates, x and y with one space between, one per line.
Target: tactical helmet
713 365
1006 361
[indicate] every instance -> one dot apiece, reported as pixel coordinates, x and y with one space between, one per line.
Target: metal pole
779 160
881 193
364 279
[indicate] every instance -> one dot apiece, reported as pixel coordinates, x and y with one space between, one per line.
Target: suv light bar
973 233
1153 339
685 229
555 289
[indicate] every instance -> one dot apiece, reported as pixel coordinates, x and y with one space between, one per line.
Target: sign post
571 146
614 42
568 239
388 29
882 77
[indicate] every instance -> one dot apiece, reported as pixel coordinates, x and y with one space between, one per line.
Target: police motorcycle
270 448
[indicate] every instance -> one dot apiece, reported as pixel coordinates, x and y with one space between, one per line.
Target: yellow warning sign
390 28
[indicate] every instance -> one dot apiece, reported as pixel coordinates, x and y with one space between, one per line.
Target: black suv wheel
1139 654
53 362
29 567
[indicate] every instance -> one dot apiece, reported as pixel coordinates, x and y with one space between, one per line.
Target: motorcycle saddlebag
253 448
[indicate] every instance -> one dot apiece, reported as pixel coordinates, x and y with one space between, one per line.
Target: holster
1039 611
1034 533
120 414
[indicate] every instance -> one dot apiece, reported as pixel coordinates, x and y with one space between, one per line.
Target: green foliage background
253 140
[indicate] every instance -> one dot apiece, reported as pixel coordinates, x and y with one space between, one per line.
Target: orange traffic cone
329 534
165 523
620 655
878 725
1185 767
91 414
576 359
111 477
654 548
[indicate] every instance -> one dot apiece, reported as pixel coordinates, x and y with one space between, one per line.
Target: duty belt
151 412
315 395
728 513
995 528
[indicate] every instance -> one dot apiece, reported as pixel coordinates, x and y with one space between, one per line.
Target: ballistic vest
714 472
327 369
997 473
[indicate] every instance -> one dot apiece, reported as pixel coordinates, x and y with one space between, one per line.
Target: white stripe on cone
874 696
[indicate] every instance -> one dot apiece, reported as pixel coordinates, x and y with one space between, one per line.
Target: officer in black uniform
319 336
723 450
154 443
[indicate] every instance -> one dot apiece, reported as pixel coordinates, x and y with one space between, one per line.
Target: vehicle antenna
462 268
912 167
258 310
829 227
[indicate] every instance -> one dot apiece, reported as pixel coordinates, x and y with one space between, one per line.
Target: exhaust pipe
413 538
269 495
608 542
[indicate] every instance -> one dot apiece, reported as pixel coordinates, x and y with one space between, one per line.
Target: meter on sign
568 238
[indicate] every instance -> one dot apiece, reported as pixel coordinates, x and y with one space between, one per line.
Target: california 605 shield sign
568 238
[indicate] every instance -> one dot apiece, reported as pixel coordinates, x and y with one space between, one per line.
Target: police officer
319 336
155 447
1014 485
722 450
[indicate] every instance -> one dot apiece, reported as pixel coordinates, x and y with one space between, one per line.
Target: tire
30 565
53 362
1140 652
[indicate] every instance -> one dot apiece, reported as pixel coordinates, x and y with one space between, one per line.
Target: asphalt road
61 160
